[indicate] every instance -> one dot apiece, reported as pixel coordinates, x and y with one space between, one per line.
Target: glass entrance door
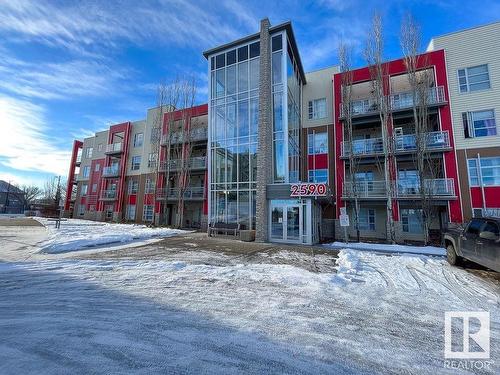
288 221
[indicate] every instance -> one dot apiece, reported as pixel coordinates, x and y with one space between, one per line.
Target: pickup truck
478 242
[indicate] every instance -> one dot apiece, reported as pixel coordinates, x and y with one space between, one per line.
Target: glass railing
433 141
114 147
112 170
405 100
361 147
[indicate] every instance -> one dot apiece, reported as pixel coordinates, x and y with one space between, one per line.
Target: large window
86 171
136 163
138 139
234 116
147 213
130 212
317 143
133 186
489 171
317 109
84 189
479 123
474 78
366 218
412 220
89 152
318 175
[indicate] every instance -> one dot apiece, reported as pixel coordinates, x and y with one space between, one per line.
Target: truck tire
451 256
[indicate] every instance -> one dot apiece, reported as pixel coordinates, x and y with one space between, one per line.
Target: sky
71 68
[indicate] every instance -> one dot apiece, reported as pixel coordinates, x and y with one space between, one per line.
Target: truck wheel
452 256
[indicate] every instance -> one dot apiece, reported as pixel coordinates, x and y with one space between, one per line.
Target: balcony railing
195 192
433 141
196 134
198 162
111 171
149 189
436 187
109 194
364 189
360 107
114 148
363 147
404 100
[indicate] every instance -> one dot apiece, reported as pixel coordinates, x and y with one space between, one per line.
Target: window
152 160
133 186
84 189
492 227
149 187
94 188
88 152
479 123
366 219
318 175
317 143
99 147
317 109
474 78
86 171
138 139
147 213
97 167
130 212
412 220
490 171
136 163
474 226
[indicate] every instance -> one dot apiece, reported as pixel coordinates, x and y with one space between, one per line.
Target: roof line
463 30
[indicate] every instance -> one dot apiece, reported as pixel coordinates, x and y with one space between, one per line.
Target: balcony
363 147
111 171
114 148
434 141
364 189
199 162
109 195
433 188
149 189
196 135
405 100
191 193
361 107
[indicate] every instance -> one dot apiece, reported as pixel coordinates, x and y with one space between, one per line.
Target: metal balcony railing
195 192
433 141
198 162
114 148
109 194
360 107
405 100
363 147
435 187
364 189
195 135
111 171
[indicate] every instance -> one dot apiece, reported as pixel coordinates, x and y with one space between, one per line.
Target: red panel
491 195
132 199
318 161
149 198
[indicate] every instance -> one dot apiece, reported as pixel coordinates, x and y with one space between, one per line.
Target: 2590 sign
300 190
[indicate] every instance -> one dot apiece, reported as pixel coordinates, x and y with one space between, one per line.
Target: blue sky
68 69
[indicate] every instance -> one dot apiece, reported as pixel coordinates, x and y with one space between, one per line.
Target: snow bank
425 250
75 234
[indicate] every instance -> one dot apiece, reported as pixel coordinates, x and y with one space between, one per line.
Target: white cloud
26 144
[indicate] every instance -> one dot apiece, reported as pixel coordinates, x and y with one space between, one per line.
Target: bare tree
348 146
374 52
30 192
420 78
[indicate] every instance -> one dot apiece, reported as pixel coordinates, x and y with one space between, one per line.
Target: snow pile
75 234
347 267
426 250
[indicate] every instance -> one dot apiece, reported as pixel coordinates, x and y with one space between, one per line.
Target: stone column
265 136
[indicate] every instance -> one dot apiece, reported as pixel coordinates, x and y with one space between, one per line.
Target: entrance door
293 223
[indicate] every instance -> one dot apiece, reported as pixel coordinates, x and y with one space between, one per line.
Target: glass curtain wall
234 110
293 104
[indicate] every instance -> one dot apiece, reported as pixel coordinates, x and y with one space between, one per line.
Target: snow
199 311
75 234
386 248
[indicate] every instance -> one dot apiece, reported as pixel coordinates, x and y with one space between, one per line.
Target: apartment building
120 173
473 71
269 150
369 173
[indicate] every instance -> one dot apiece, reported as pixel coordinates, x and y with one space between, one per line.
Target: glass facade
234 117
234 124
